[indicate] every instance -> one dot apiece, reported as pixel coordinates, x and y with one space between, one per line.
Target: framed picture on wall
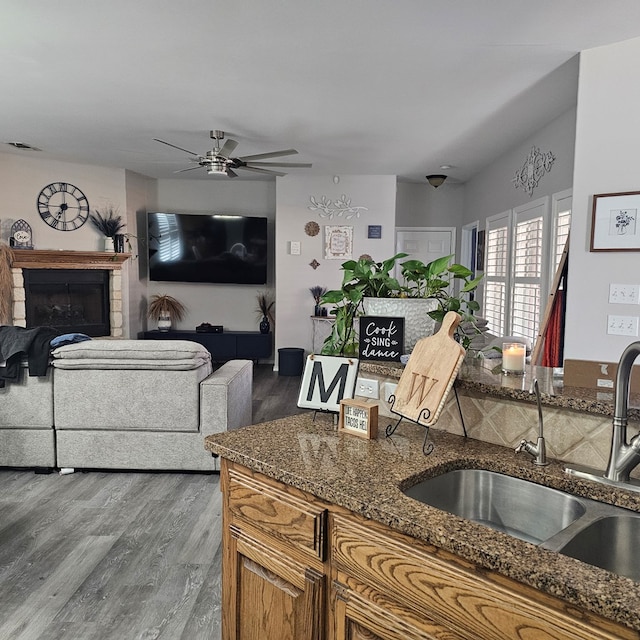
338 242
614 224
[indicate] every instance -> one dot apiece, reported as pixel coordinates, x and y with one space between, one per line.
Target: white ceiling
356 86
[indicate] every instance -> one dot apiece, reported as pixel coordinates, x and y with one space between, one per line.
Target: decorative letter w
420 387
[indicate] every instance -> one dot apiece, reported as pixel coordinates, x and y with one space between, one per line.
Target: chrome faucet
623 457
538 449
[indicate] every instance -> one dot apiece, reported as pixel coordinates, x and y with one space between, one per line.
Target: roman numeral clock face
63 206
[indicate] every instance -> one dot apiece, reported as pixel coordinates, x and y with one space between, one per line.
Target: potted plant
317 292
165 310
365 282
265 305
361 278
109 223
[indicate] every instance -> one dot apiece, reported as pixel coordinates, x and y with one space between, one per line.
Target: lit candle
513 355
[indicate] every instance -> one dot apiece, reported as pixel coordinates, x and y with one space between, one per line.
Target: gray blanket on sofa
17 342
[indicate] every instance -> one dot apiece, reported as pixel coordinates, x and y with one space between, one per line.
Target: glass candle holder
513 358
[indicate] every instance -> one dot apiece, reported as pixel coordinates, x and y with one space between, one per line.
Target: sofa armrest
226 397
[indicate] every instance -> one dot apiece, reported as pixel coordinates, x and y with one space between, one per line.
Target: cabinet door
374 617
268 595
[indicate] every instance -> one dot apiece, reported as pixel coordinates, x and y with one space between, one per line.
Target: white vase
108 245
417 324
164 323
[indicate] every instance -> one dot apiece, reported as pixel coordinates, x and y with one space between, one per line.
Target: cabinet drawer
279 511
461 598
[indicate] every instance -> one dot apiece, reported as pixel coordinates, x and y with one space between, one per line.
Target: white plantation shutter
518 262
529 273
562 205
496 272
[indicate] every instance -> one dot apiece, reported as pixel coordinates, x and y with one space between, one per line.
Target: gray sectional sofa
124 404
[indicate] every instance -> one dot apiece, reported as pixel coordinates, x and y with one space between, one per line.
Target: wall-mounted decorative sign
534 167
374 231
21 235
341 207
327 380
614 224
338 242
359 418
312 228
381 338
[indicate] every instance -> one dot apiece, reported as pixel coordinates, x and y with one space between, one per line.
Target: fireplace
71 300
74 290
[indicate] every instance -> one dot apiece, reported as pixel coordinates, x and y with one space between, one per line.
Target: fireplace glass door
71 300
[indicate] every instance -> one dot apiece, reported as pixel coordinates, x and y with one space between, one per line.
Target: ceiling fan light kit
218 161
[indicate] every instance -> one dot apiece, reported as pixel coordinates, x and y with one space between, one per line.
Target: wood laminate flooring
118 555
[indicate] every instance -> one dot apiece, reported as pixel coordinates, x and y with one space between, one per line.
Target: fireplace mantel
54 259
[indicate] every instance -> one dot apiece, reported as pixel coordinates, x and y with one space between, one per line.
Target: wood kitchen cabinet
297 568
274 579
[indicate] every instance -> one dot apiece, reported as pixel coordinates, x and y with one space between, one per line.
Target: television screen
207 248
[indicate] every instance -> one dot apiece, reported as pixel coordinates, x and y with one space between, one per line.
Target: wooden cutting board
429 374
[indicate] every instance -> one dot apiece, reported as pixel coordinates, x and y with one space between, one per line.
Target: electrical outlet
368 388
622 325
624 293
388 389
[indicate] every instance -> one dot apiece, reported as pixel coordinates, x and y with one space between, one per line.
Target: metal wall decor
341 207
312 228
534 167
314 264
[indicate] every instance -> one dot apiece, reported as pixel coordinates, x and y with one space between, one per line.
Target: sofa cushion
132 350
117 363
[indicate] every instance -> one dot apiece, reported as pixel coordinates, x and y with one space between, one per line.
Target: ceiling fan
218 161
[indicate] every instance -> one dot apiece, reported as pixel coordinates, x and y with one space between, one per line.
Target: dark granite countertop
366 477
485 377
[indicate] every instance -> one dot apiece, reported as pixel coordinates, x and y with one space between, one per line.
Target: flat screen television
216 248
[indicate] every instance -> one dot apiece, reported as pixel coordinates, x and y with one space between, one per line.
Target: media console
229 345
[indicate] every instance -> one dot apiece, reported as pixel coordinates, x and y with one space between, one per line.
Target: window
523 251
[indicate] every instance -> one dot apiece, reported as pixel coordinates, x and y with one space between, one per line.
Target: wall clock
63 206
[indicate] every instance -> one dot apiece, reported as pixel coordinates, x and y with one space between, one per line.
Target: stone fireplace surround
53 259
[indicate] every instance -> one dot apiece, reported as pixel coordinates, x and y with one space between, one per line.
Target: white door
425 243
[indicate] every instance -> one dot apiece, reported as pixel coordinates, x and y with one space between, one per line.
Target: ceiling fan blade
189 169
303 165
266 171
272 154
228 148
231 173
180 148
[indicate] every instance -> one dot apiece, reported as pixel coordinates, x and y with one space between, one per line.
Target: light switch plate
622 325
624 293
294 248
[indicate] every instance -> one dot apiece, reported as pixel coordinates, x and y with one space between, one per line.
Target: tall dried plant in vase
6 284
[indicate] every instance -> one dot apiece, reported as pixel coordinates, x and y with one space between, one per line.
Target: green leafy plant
109 222
366 278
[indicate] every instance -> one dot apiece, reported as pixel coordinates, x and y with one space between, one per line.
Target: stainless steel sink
610 543
520 508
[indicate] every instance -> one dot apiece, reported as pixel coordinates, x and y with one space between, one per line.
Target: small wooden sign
381 338
359 418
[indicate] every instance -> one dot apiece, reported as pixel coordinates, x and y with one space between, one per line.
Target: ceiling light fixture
436 179
23 146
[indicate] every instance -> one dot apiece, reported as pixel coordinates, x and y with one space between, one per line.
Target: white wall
233 306
606 161
294 276
24 176
491 191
